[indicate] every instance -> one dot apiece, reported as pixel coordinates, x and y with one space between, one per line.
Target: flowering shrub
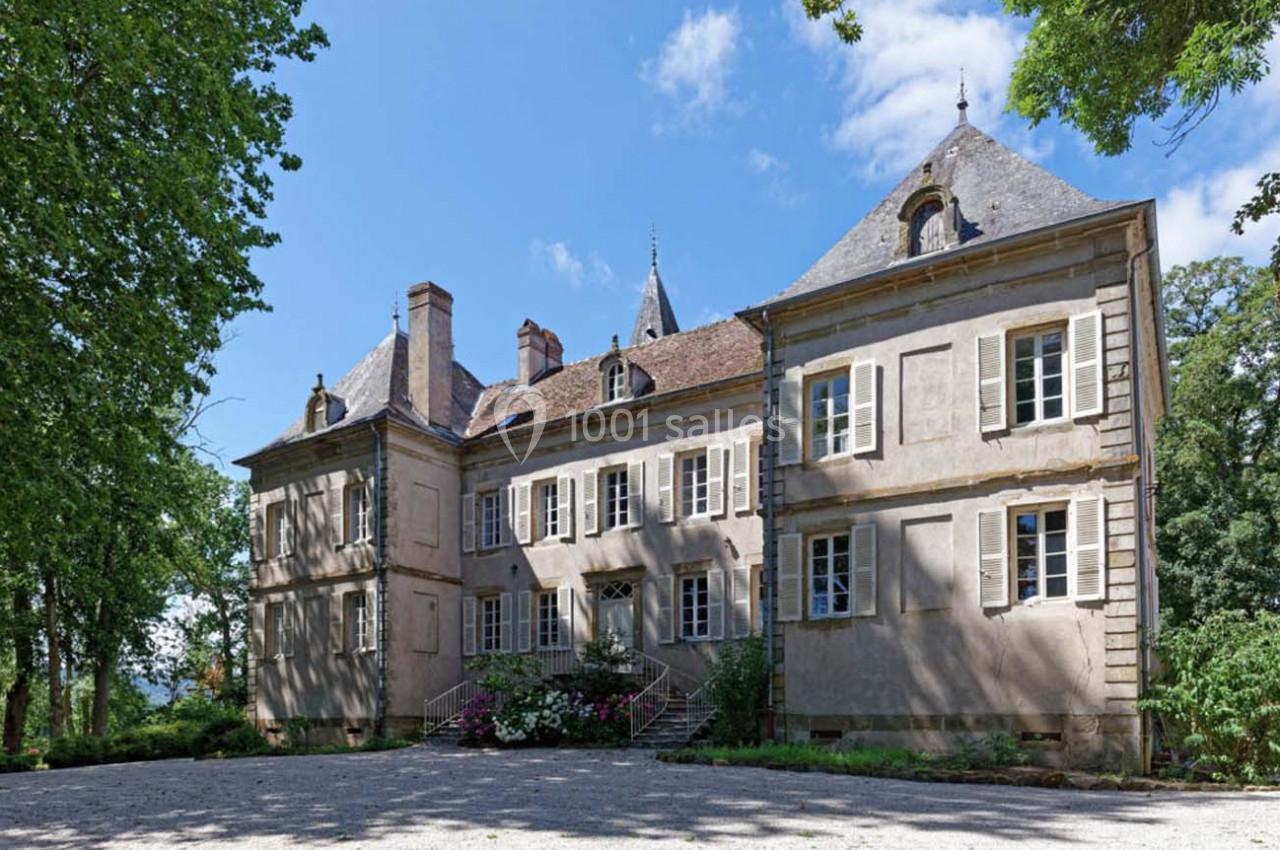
606 721
477 721
537 717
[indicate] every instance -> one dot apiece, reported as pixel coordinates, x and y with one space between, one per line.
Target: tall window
277 529
548 620
358 517
694 605
615 382
358 617
548 510
829 416
490 624
490 516
1041 553
1037 377
927 232
278 631
829 576
615 498
693 485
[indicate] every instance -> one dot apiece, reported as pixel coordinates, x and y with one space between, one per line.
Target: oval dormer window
927 232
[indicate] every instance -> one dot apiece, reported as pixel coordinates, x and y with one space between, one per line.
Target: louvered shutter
993 558
991 388
1089 537
337 510
259 626
740 593
790 577
590 502
337 623
666 586
564 502
287 508
741 476
866 407
1085 339
666 488
468 625
524 512
469 527
863 569
504 515
290 612
504 622
564 608
715 604
790 417
524 617
372 600
635 494
257 528
715 480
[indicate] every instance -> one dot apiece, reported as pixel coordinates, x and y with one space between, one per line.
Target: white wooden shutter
635 494
375 625
866 407
337 623
290 613
564 608
524 512
790 577
1089 550
524 615
741 476
469 530
504 622
791 417
337 510
468 625
590 502
715 480
715 604
666 608
504 515
993 558
288 508
1085 339
991 388
666 488
564 503
257 526
863 569
740 593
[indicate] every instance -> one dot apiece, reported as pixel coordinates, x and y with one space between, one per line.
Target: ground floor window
279 632
490 624
829 576
548 620
1041 550
694 605
358 618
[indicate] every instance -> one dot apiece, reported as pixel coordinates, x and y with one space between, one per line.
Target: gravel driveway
438 797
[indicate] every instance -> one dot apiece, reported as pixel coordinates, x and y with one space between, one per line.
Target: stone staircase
671 729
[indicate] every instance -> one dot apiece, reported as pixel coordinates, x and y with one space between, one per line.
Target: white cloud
1195 217
557 257
900 82
774 173
693 65
761 162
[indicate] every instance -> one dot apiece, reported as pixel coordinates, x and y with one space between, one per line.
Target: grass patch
869 759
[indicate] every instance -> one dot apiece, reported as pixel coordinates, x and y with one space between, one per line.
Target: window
829 416
615 382
490 624
615 498
358 517
490 517
278 632
548 510
277 530
694 604
1041 550
548 620
693 485
927 231
1037 377
358 618
829 576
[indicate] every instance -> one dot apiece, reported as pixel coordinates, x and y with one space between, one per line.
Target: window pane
820 547
1026 412
1026 547
1052 408
1052 343
1055 521
818 393
1025 347
1053 387
1026 523
1052 365
1056 587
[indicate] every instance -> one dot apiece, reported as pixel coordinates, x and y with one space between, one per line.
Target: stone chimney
531 352
431 353
555 351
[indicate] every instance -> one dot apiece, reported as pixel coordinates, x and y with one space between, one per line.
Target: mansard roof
996 192
655 318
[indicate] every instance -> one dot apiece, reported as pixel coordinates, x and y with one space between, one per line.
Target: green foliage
993 752
739 689
1218 449
599 676
506 673
17 763
843 21
297 731
1220 692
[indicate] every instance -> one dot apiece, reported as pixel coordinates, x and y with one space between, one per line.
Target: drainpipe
1140 526
380 573
769 444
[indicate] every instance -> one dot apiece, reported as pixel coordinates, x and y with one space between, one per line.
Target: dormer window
928 231
615 381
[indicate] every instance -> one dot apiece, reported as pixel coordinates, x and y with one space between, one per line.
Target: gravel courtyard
437 797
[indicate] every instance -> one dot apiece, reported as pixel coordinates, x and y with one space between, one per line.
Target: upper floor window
829 576
693 484
616 498
358 515
358 618
927 230
1037 377
695 604
277 529
490 519
279 631
615 382
829 415
1041 552
491 624
548 620
548 510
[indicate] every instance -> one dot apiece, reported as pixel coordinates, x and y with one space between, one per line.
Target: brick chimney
431 352
555 351
531 352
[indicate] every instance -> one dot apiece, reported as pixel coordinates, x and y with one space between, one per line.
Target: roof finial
962 104
395 315
653 245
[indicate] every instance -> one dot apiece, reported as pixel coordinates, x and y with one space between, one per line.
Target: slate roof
999 194
655 318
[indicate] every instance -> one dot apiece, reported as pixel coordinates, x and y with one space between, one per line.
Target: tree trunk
19 694
68 682
54 655
103 666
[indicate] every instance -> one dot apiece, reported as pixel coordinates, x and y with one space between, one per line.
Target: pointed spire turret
655 318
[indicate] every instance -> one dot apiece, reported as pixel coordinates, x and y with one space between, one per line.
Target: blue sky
516 154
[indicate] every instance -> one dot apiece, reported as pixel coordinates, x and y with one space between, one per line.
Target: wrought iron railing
699 708
440 711
651 701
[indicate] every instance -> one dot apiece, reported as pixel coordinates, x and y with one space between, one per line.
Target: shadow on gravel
595 794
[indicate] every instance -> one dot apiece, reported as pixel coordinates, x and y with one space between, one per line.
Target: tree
1218 449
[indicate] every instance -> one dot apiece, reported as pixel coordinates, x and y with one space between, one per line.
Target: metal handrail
652 700
698 708
442 710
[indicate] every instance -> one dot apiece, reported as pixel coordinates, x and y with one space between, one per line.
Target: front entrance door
617 612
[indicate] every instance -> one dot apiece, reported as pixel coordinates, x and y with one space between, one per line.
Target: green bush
76 751
1220 693
739 689
599 677
16 763
229 736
